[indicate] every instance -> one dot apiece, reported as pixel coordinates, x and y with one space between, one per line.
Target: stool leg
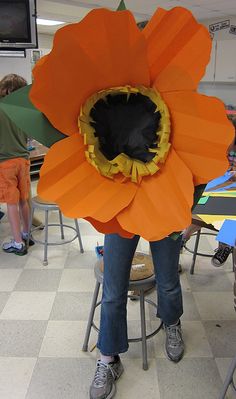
30 225
228 379
79 236
45 258
61 225
143 330
195 252
91 316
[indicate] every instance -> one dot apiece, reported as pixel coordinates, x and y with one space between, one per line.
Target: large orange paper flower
139 135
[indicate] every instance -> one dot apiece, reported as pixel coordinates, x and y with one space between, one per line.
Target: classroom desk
224 207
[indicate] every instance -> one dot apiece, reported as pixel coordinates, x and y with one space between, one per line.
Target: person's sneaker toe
174 344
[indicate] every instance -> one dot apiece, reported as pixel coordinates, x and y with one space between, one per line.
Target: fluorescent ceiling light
48 22
12 53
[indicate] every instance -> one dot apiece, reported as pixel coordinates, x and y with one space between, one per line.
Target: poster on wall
219 26
232 29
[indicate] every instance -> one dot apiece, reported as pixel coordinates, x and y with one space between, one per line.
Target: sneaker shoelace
174 335
102 373
222 253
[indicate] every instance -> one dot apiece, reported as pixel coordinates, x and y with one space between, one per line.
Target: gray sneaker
174 342
103 385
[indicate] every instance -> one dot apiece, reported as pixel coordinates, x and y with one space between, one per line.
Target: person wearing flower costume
132 140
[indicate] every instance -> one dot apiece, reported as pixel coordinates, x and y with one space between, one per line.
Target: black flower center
126 124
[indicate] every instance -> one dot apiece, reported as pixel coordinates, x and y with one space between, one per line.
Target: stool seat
145 283
142 267
40 204
143 279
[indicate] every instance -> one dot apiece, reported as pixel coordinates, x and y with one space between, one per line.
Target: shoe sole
113 390
217 264
15 252
173 360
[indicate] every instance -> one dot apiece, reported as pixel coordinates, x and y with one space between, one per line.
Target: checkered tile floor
43 313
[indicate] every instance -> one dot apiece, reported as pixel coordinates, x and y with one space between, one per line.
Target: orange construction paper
200 133
178 50
103 50
162 204
77 187
110 227
107 50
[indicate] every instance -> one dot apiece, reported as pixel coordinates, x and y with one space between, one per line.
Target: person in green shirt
14 172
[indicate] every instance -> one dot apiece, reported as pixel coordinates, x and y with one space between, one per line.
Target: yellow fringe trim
129 167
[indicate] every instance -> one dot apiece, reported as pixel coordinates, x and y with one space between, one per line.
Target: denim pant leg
118 256
165 254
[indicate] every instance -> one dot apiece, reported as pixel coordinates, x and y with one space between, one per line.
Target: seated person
14 167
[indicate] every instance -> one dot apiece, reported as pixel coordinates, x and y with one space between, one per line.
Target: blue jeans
118 256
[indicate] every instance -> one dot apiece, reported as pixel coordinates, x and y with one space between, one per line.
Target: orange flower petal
65 151
178 49
162 203
105 49
80 191
201 133
110 227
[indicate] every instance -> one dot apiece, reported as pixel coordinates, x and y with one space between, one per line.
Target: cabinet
222 65
225 70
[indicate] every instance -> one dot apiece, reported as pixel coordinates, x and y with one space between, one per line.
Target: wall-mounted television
18 29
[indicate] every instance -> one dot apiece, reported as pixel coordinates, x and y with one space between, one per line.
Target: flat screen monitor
18 28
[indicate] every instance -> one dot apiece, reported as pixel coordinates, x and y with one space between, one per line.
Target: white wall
20 66
225 91
45 41
222 34
23 66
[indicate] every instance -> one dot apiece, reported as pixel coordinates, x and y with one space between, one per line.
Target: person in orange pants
14 172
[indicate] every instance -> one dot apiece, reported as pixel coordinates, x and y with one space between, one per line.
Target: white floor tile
215 305
65 339
136 383
8 278
56 257
77 280
28 306
15 375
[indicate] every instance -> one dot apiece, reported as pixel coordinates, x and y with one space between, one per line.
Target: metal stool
38 203
141 285
196 244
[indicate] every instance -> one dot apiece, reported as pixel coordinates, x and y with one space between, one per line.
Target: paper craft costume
138 135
